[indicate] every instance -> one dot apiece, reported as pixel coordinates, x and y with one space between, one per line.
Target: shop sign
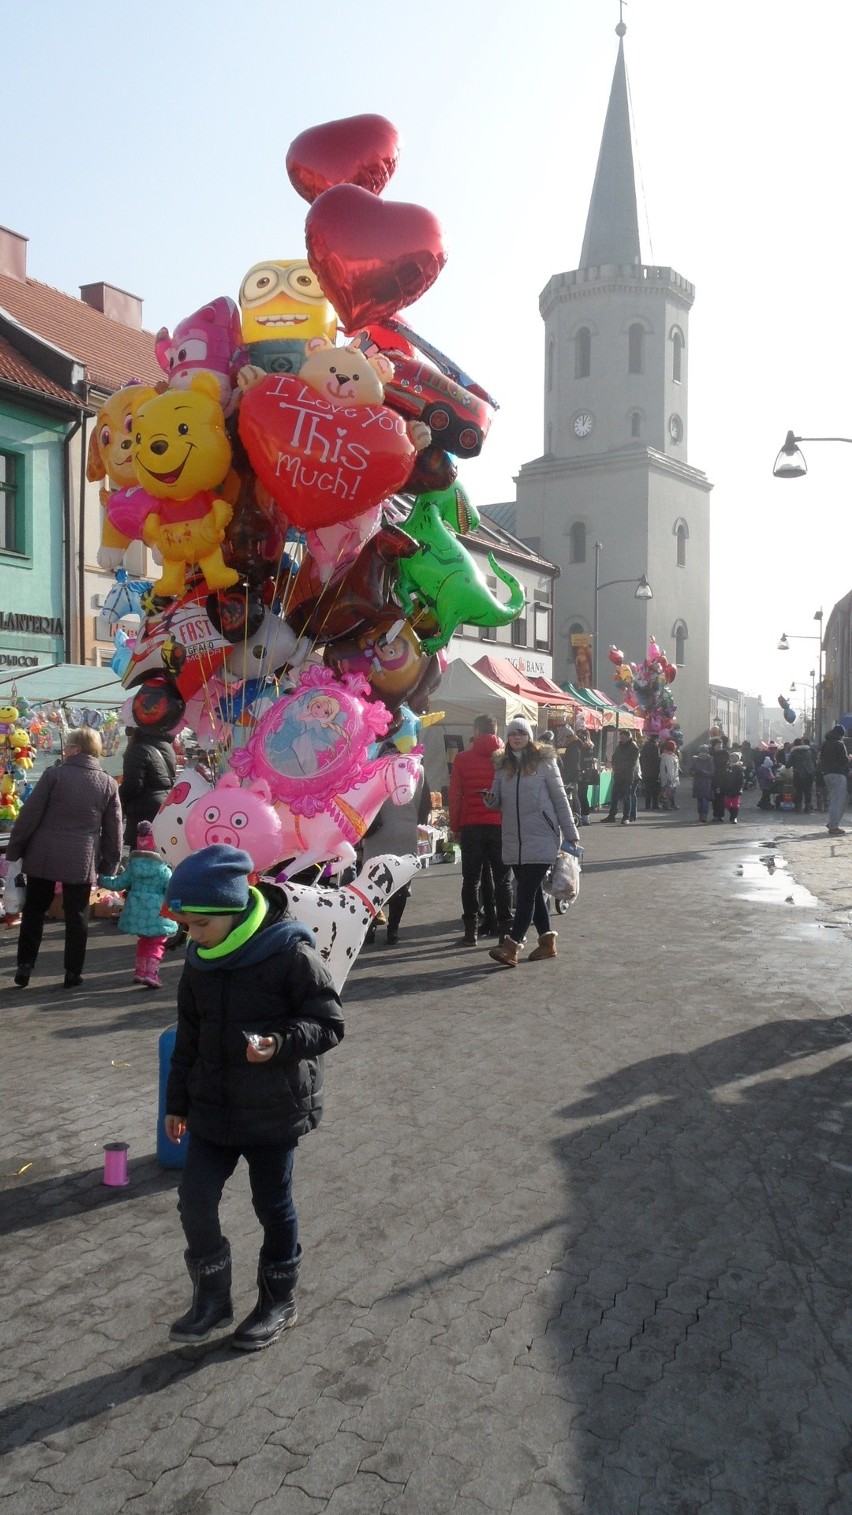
33 625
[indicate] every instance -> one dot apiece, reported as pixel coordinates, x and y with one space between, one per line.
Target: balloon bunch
298 491
787 709
645 689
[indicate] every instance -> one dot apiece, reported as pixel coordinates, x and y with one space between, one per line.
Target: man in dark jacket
649 767
479 832
257 1008
804 772
625 776
149 773
834 762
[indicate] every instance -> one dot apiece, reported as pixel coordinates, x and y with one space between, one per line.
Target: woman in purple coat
68 832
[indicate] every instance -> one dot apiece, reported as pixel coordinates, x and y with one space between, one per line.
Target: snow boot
507 953
546 947
275 1310
211 1297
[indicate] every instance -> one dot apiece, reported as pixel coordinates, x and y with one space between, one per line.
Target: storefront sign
532 667
35 625
17 660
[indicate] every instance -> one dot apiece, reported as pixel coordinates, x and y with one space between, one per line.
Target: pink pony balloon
333 831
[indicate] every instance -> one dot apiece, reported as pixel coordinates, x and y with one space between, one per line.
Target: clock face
583 424
675 428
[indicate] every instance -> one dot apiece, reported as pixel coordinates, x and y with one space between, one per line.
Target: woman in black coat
149 774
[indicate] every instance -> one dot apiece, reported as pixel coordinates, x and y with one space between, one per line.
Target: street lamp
643 591
784 646
790 462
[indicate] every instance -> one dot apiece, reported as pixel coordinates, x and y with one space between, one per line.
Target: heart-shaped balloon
321 463
372 257
362 150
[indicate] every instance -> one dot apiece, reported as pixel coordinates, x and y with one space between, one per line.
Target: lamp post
643 591
790 462
784 646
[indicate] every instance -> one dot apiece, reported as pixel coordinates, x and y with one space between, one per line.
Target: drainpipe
67 527
81 583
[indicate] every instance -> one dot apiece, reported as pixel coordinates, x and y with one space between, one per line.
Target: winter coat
571 761
275 984
150 766
765 775
669 770
472 772
69 829
625 762
649 760
143 883
534 809
734 780
802 763
832 755
702 777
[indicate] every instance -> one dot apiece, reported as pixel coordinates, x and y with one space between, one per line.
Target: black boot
489 926
471 932
211 1297
503 929
275 1310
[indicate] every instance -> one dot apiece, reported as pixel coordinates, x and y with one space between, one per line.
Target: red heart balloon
372 257
321 463
361 150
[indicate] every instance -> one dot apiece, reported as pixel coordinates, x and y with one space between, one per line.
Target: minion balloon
282 308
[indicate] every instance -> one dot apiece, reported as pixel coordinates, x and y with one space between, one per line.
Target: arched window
678 345
636 423
551 359
577 543
636 349
680 531
583 353
680 634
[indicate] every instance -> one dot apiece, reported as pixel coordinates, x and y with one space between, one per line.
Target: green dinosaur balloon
442 575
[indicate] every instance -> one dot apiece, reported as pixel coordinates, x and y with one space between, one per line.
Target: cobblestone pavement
576 1235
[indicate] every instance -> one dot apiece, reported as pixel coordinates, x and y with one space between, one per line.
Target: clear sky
145 146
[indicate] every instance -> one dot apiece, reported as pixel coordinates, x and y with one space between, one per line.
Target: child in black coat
257 1009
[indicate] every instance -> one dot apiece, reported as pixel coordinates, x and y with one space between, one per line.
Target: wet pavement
576 1235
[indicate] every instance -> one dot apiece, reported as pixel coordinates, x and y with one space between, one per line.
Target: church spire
612 229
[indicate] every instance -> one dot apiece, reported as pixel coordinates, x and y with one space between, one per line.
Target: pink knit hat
145 838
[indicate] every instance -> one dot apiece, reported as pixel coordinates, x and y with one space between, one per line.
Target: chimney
117 304
13 254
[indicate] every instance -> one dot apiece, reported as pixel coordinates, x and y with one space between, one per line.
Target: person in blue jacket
257 1009
143 883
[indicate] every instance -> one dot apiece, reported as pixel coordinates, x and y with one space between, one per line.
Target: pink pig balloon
235 817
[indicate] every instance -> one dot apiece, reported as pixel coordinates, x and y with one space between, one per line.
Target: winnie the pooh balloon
181 455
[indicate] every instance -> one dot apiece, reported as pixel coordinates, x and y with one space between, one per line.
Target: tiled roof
16 370
111 352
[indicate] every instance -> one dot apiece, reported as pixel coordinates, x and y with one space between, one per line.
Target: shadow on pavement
705 1324
51 1199
55 1412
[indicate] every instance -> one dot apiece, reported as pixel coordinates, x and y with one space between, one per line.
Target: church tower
613 496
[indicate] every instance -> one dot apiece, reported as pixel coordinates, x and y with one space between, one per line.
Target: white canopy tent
462 695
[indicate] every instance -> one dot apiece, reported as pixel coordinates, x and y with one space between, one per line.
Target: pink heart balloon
362 150
372 257
321 463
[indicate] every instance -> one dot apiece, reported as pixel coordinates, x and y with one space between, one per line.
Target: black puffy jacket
275 985
149 773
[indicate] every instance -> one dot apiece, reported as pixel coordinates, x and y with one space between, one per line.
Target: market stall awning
609 714
75 683
502 672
